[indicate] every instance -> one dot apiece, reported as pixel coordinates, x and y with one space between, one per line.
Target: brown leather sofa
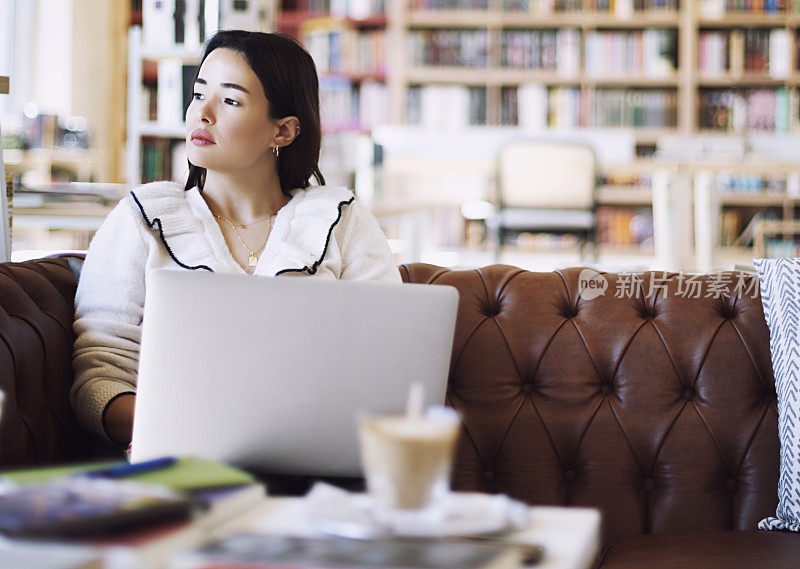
657 408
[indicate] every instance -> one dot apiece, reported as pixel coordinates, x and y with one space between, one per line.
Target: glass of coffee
407 459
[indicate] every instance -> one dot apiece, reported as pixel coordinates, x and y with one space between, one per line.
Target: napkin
355 515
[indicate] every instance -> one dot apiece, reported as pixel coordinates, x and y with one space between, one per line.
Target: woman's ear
288 130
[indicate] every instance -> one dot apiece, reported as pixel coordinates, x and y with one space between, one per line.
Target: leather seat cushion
706 550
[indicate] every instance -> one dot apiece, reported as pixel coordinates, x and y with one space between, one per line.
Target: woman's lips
201 138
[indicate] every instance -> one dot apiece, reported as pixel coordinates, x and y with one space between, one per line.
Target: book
252 15
158 24
170 91
227 498
259 551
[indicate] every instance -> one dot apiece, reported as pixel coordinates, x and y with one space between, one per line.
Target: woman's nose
205 112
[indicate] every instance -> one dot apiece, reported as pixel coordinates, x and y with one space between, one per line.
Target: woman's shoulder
158 190
157 198
337 194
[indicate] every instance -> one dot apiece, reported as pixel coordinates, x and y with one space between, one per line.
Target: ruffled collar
297 244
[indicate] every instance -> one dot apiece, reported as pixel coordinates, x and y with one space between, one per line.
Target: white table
570 536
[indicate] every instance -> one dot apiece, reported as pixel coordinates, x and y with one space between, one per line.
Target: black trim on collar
157 221
313 268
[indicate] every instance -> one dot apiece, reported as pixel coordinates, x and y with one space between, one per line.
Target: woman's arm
108 314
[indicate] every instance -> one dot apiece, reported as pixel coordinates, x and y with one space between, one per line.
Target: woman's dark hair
289 78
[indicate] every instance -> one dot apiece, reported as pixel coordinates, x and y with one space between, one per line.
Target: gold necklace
242 225
252 259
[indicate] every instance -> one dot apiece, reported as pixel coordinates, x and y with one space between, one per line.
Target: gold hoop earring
276 150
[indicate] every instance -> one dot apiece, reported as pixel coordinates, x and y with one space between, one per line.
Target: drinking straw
416 396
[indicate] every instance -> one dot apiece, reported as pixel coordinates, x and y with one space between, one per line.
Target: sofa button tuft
648 484
569 476
606 389
527 387
731 484
688 394
488 476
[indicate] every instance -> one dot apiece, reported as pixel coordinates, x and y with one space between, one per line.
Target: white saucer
337 512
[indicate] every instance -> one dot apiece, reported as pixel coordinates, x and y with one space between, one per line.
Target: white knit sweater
322 231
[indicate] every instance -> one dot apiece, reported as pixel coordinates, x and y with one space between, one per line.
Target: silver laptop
271 373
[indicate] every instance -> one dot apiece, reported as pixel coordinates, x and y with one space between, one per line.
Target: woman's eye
232 102
197 96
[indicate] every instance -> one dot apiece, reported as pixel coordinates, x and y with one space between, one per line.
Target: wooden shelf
354 77
441 74
632 81
624 195
48 155
4 85
753 80
509 19
639 20
760 199
746 20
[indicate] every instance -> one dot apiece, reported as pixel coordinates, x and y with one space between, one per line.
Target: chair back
537 174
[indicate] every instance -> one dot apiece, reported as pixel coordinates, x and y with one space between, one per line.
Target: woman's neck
243 199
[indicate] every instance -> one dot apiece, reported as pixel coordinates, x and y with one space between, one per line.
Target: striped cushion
780 297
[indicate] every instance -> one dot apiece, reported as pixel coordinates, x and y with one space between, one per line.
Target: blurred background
618 134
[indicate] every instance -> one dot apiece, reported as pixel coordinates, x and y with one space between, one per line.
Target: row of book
636 108
603 108
353 9
446 106
163 159
535 107
189 23
167 100
542 241
747 109
348 106
448 4
781 248
624 179
729 182
738 226
548 50
619 7
651 52
614 6
749 50
43 130
546 6
757 6
346 50
463 48
624 226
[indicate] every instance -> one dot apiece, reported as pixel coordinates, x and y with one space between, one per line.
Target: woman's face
228 126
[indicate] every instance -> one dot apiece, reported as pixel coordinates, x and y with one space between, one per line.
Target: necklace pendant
252 261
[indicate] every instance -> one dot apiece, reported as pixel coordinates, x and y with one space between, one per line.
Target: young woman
253 142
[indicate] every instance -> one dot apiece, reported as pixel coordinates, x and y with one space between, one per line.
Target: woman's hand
118 419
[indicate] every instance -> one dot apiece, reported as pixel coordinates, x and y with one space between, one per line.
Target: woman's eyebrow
225 85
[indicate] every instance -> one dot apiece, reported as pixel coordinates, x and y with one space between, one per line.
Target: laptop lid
271 373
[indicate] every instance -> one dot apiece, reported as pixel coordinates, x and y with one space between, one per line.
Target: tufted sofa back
657 407
37 425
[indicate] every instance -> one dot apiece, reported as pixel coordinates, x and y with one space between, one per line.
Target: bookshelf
744 209
671 67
